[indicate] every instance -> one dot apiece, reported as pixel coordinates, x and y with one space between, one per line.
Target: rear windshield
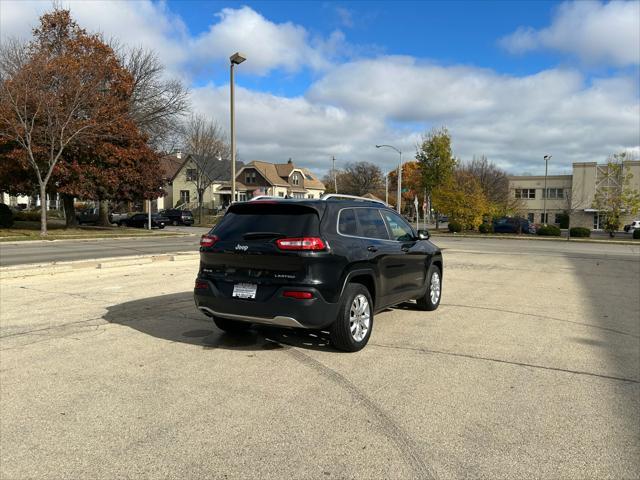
284 220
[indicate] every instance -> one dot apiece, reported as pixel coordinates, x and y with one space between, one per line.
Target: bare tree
63 86
360 178
158 104
493 180
206 143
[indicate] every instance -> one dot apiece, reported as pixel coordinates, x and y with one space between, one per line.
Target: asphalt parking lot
529 369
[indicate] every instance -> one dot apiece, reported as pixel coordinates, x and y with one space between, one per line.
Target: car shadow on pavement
174 317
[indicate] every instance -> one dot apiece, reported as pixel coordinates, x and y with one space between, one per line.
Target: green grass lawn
56 231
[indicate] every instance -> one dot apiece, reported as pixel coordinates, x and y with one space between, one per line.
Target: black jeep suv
316 264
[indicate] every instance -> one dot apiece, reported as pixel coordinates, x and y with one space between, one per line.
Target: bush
579 232
30 216
6 216
486 228
636 234
455 226
548 231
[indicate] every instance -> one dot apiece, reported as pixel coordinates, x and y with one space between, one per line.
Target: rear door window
256 221
370 224
347 223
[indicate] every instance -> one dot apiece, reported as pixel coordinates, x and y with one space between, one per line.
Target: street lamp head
547 157
378 146
237 58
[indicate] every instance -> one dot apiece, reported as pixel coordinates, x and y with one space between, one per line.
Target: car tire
161 227
431 298
352 329
231 326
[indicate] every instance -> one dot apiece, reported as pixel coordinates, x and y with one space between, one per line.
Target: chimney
290 162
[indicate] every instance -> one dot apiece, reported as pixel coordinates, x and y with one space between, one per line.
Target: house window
250 177
544 218
192 173
298 195
530 217
295 179
310 195
184 196
598 221
281 194
242 197
557 218
553 193
527 193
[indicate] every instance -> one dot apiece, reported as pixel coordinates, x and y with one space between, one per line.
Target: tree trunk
69 211
200 194
103 213
43 210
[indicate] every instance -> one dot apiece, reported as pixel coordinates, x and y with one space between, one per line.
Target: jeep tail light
297 294
300 243
208 240
201 285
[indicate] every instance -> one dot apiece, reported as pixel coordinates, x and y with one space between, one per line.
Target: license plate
244 290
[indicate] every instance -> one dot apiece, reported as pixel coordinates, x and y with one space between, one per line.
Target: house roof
171 165
216 170
311 181
269 172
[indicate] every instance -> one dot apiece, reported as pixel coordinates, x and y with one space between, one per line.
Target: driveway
529 369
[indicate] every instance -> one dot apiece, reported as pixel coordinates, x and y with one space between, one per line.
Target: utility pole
235 59
335 178
544 194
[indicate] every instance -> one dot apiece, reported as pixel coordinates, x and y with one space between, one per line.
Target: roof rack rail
329 196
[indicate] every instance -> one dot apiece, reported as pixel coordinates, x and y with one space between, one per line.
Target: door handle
405 249
371 248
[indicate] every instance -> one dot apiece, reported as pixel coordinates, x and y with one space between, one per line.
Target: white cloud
598 33
268 45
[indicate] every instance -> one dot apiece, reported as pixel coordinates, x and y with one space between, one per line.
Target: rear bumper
277 310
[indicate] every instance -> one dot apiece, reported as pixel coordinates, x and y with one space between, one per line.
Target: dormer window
295 179
250 177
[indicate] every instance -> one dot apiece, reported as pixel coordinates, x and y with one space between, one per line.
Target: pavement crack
536 315
401 439
508 362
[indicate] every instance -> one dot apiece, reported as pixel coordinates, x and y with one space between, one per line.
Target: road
56 251
530 368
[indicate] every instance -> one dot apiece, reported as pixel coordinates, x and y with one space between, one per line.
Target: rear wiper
249 235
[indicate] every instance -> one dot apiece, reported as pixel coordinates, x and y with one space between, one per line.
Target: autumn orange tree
61 89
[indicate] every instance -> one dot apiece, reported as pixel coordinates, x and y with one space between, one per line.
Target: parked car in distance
88 215
635 225
115 217
141 220
315 264
178 217
513 225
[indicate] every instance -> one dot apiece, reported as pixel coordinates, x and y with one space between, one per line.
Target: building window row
553 193
250 177
528 193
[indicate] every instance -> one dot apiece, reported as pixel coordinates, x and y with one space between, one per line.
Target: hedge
30 216
548 231
579 232
636 234
486 228
6 216
455 226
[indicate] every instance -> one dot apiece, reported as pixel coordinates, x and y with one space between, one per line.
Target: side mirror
424 234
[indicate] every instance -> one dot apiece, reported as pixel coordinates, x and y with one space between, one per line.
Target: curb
536 239
97 239
53 268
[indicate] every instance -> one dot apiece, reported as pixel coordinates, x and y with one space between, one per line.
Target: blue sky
513 80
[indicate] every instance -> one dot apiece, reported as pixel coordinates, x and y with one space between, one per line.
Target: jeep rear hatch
262 242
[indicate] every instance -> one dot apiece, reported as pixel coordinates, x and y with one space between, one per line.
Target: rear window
187 213
286 220
347 224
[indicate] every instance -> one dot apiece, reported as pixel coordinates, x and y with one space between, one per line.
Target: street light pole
399 199
544 194
236 59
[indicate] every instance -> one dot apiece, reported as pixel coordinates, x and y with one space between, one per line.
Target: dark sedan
141 220
179 217
512 225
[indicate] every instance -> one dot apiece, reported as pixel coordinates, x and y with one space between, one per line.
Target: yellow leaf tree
462 199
